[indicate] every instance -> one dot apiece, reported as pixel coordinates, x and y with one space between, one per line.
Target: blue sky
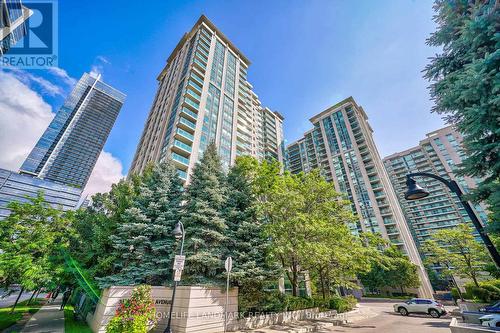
306 56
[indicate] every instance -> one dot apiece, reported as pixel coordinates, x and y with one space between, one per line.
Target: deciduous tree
458 252
32 238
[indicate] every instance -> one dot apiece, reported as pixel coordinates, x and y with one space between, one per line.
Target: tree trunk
295 287
402 291
17 299
475 280
323 287
32 295
322 279
295 278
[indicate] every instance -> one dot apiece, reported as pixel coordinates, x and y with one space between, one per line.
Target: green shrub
322 304
486 292
454 293
299 303
273 302
342 304
494 292
134 315
495 283
277 302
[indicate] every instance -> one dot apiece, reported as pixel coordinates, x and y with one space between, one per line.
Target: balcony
202 51
189 114
184 135
199 65
203 38
193 95
195 85
180 160
197 78
201 57
184 148
187 124
188 102
182 174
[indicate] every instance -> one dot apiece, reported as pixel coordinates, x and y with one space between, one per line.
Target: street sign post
177 275
179 262
229 266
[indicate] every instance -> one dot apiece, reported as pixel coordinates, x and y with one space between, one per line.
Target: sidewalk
47 320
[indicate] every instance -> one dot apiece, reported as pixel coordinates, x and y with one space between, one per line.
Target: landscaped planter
196 309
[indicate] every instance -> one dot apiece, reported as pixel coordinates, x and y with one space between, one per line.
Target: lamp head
178 231
414 192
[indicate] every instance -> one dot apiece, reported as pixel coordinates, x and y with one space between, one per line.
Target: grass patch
8 319
71 325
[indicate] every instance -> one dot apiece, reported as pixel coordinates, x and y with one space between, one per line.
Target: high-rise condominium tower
439 154
68 149
342 147
13 17
203 96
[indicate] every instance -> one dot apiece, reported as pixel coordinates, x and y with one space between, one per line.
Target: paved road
386 321
6 301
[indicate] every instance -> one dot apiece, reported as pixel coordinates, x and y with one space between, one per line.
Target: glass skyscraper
17 187
204 96
341 146
68 149
439 153
13 17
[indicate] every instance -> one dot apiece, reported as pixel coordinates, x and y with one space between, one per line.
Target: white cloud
45 86
24 116
107 171
98 66
63 75
103 59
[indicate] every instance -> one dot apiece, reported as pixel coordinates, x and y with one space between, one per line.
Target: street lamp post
416 192
178 233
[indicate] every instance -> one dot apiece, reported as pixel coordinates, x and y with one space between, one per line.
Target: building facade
204 96
341 146
17 187
68 149
13 19
439 153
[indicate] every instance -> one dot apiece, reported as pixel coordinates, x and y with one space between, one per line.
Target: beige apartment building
204 96
439 153
341 145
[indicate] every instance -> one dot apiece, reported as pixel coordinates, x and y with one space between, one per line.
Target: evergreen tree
466 87
143 244
204 222
247 243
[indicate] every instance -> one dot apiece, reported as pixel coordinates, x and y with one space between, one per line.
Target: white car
420 305
490 320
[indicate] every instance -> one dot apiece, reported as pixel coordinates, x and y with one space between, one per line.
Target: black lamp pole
178 233
416 192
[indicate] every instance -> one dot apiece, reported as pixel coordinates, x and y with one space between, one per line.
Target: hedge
277 302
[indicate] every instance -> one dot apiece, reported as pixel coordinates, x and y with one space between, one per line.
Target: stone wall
279 318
